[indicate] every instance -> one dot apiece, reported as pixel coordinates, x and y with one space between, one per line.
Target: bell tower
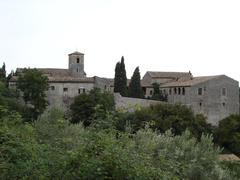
76 64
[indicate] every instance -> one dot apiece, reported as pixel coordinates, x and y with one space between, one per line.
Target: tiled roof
76 53
50 71
161 74
57 75
71 79
193 81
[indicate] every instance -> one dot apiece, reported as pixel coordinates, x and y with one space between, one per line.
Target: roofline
76 53
69 81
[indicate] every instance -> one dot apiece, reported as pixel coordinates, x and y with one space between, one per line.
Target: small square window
65 89
179 90
151 92
183 91
52 88
199 91
224 91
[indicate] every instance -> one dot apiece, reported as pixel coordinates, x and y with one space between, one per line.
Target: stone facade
65 84
130 104
216 97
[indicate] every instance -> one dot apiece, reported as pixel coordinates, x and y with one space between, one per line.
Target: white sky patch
200 36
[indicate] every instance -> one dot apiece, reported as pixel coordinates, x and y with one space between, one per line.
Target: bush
162 117
19 151
84 106
54 149
233 167
228 134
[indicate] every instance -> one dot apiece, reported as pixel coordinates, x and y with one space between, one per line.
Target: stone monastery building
216 97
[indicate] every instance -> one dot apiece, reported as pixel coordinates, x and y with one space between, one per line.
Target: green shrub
19 151
162 117
53 148
84 106
228 133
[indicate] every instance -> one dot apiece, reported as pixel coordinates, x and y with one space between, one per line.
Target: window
200 104
223 104
65 89
170 91
150 92
52 88
79 91
179 90
183 91
199 91
175 90
83 90
224 91
204 88
77 60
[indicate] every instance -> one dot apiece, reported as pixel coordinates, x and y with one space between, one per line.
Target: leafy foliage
120 78
162 117
33 85
3 73
84 106
233 167
117 77
228 133
19 151
135 89
9 98
157 94
52 148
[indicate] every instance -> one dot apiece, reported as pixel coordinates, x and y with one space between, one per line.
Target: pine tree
135 89
123 78
117 80
120 79
3 72
157 94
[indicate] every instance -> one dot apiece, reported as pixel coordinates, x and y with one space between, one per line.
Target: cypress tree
157 94
123 78
120 79
3 73
117 79
135 89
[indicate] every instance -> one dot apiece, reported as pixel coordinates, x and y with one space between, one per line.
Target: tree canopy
120 78
3 73
33 85
85 105
228 133
135 89
157 94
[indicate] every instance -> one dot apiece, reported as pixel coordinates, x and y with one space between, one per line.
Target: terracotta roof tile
161 74
193 81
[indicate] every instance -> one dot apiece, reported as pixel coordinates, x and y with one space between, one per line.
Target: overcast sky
202 36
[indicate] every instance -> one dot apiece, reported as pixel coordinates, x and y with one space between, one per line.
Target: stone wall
131 104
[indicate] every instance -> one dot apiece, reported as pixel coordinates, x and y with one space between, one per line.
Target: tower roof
76 53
